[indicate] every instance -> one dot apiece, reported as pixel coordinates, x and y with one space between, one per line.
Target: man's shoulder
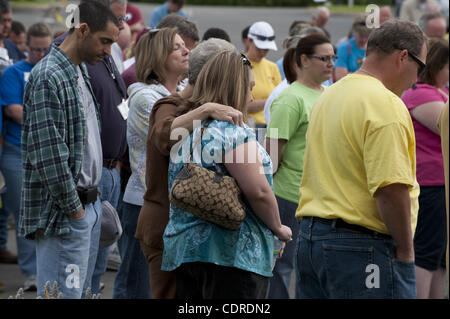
160 9
51 68
13 50
267 63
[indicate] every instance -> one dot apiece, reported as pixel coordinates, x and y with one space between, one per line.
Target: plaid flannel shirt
52 145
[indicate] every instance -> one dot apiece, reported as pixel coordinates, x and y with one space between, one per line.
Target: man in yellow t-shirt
359 194
267 75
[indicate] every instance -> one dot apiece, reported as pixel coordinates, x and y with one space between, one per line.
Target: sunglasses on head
263 38
245 60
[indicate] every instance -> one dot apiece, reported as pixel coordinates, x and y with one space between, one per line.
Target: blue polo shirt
12 87
160 12
350 56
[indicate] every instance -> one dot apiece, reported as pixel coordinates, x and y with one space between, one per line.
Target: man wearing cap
171 6
267 76
134 20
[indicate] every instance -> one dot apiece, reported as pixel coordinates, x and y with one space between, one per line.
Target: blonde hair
224 79
152 51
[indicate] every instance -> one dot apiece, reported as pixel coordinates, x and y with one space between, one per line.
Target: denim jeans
3 217
70 259
109 190
337 263
11 167
282 273
132 280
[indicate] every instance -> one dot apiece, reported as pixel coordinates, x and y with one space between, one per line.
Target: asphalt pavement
232 19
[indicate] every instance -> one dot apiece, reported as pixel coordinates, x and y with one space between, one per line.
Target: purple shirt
430 166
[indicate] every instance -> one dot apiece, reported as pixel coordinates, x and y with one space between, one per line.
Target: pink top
430 166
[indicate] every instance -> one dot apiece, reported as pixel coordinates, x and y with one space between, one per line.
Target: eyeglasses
422 65
263 38
151 30
245 60
38 50
324 58
123 19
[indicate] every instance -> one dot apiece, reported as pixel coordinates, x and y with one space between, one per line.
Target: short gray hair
319 10
426 17
396 35
203 52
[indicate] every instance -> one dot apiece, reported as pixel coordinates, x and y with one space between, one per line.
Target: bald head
385 14
320 17
436 28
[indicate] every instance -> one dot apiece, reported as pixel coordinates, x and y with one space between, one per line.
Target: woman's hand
284 233
225 113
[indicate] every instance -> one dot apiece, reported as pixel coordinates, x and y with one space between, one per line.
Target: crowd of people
344 141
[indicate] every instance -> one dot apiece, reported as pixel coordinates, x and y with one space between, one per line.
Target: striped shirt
52 145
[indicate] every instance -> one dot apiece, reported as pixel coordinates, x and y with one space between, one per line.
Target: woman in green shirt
286 140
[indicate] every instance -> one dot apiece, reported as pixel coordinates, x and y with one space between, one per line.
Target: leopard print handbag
209 195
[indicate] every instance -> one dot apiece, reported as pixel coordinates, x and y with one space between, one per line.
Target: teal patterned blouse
188 238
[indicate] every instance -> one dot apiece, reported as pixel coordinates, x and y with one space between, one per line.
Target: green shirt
289 114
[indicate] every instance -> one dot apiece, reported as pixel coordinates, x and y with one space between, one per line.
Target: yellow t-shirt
267 77
360 138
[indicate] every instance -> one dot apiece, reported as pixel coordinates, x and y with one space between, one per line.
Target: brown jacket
154 214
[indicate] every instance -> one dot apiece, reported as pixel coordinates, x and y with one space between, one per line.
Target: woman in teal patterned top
211 261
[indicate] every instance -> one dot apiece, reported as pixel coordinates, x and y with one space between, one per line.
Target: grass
26 3
332 8
347 9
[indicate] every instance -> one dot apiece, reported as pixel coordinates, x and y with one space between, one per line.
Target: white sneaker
30 283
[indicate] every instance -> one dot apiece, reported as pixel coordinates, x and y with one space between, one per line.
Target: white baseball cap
263 36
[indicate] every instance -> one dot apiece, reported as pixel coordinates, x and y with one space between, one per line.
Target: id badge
123 109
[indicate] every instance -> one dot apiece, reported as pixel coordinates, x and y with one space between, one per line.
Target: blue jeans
11 167
132 280
3 220
282 273
109 190
333 262
70 259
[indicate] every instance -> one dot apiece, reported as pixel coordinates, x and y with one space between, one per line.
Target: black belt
352 227
110 164
87 195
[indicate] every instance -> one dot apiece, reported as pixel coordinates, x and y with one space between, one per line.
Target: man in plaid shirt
62 155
